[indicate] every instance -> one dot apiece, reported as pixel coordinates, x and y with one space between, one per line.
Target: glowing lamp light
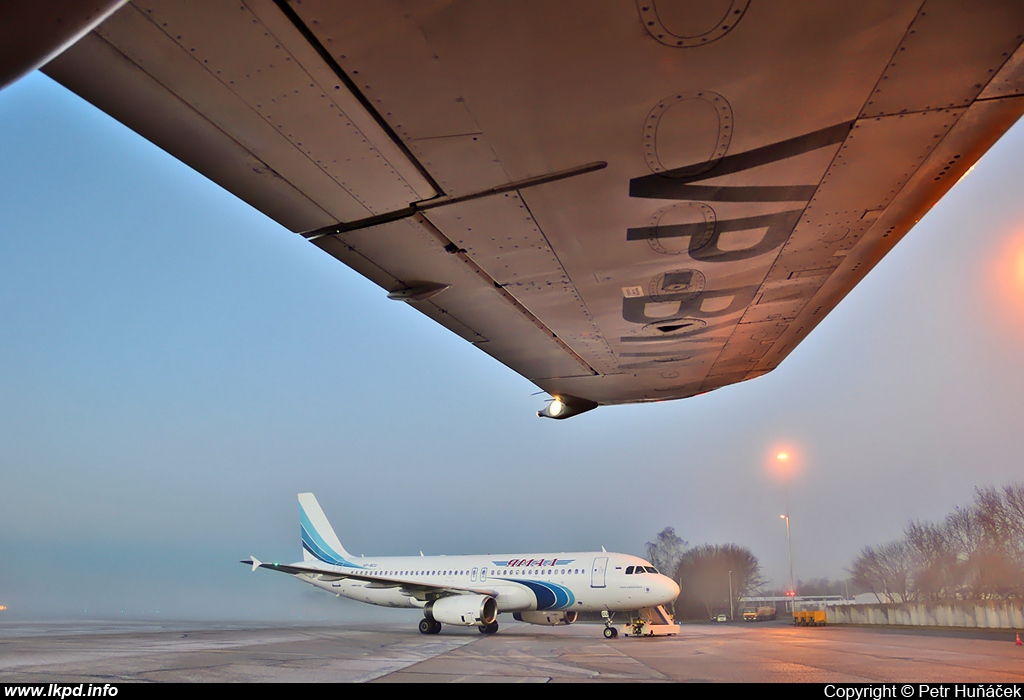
783 461
1004 275
1020 269
562 407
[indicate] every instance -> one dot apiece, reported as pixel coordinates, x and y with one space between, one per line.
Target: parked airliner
542 589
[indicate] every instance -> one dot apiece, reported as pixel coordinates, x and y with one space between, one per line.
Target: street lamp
789 541
731 618
783 459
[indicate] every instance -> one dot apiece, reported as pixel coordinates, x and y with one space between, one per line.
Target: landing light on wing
565 407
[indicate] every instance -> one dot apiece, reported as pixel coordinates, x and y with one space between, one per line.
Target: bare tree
976 552
1013 507
865 572
885 571
935 567
666 551
704 576
998 561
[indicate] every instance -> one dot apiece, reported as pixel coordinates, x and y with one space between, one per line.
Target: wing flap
856 189
474 306
253 91
503 237
974 132
948 54
101 74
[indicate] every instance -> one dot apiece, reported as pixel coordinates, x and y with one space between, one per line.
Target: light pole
731 617
789 541
783 459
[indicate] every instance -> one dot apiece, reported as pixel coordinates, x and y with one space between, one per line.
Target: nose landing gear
609 631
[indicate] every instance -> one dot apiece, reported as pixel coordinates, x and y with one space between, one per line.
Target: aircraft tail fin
318 539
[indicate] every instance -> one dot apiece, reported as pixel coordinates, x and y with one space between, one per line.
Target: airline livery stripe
316 545
310 545
550 596
322 552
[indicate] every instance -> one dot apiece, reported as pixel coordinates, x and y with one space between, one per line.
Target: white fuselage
580 581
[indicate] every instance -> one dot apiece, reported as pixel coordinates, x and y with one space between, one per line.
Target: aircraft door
598 572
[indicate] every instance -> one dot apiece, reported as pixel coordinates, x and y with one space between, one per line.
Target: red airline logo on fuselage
533 562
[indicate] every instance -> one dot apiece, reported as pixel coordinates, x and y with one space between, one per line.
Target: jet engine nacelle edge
464 610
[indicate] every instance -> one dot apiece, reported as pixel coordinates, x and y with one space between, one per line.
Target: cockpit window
629 569
651 570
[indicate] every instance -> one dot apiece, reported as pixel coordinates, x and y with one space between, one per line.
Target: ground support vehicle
656 622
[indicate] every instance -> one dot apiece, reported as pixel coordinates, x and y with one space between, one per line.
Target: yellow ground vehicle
765 612
809 617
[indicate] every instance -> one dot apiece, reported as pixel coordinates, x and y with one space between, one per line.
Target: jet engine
463 610
538 617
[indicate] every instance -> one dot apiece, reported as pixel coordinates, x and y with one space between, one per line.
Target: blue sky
176 367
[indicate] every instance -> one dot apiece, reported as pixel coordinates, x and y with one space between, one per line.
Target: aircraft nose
668 588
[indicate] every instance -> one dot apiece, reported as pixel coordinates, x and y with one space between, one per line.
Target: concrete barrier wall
992 614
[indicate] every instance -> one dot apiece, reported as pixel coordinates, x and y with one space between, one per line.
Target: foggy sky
176 367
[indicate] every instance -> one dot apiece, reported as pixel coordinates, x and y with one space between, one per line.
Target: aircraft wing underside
760 157
415 589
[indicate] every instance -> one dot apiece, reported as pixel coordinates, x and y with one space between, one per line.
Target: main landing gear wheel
488 629
429 626
610 633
